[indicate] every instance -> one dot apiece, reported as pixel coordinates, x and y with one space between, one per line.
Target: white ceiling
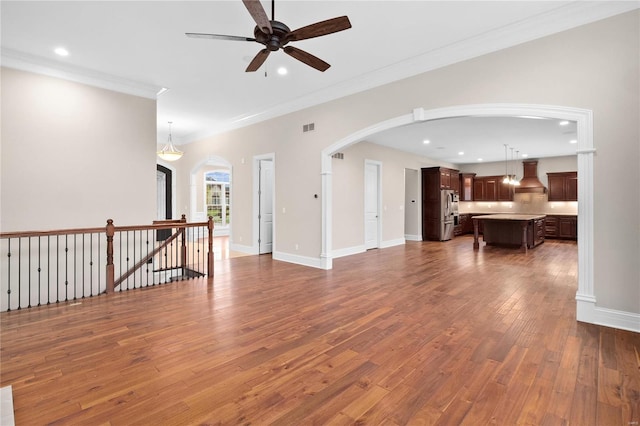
140 47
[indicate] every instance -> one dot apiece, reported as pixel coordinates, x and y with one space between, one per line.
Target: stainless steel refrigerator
449 215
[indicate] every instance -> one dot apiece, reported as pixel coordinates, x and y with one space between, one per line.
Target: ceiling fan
275 35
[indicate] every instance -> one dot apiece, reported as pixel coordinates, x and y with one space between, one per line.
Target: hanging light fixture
516 182
170 152
506 167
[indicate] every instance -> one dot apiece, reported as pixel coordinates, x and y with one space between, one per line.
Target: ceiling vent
530 182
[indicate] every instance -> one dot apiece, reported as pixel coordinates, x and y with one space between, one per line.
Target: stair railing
44 267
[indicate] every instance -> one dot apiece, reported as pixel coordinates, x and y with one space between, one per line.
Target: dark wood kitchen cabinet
449 179
561 227
466 186
563 186
491 188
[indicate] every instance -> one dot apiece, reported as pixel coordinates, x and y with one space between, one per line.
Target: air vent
308 127
338 155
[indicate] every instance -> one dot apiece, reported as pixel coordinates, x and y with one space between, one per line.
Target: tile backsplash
522 203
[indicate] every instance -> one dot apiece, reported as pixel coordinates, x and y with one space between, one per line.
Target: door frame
256 201
378 166
170 171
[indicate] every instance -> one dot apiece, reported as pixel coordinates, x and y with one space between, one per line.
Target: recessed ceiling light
563 123
525 155
282 71
61 51
479 159
426 141
573 141
461 153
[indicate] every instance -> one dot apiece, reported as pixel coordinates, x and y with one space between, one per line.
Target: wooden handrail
25 234
110 230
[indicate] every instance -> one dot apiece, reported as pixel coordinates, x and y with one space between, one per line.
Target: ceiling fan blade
219 37
259 15
320 28
307 58
258 60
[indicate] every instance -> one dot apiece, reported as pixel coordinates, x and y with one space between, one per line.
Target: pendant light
170 152
516 182
506 167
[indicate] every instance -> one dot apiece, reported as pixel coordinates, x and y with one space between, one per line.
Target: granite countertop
519 217
544 214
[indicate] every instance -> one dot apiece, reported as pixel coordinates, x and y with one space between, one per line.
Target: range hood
530 182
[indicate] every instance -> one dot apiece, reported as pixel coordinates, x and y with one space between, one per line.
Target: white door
265 199
161 181
371 205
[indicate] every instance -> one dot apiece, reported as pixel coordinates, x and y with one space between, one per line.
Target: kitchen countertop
544 214
503 216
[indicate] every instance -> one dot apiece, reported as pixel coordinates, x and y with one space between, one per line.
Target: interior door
371 205
265 199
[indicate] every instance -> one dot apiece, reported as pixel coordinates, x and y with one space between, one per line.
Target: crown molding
36 64
563 18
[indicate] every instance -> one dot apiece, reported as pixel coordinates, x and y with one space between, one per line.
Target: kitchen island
515 230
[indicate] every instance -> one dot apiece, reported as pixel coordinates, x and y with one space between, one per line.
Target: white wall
594 67
74 155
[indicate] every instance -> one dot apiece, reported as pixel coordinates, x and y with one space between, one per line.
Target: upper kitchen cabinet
449 178
466 186
563 186
491 188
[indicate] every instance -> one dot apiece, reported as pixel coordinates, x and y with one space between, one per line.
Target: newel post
183 248
110 230
210 244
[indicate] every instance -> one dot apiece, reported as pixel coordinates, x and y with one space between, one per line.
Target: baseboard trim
314 262
392 243
588 312
348 251
243 249
409 237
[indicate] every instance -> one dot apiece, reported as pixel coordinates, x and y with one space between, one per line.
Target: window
217 197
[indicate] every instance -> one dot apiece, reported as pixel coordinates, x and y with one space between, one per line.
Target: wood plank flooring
426 333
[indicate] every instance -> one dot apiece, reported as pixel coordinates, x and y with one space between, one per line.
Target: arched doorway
585 295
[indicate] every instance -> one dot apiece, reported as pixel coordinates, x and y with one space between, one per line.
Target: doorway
372 199
264 203
164 203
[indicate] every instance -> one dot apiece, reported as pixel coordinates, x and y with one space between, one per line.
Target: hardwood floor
426 333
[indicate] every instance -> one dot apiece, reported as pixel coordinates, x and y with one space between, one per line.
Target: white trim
588 312
313 262
27 62
584 120
393 243
348 251
409 237
256 203
242 248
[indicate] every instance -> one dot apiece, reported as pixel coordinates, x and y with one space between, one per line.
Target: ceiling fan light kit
275 35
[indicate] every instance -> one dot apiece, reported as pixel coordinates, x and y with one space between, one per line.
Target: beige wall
74 155
348 196
594 67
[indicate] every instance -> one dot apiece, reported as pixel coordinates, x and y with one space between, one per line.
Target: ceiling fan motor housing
275 40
